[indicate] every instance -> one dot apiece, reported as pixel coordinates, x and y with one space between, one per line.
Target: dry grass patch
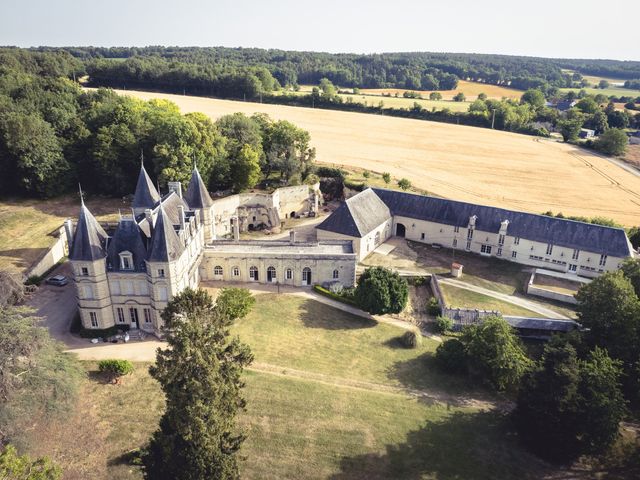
470 89
466 163
27 226
462 298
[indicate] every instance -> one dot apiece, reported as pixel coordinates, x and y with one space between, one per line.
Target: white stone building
372 216
168 244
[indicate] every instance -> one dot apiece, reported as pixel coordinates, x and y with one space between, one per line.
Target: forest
54 134
211 68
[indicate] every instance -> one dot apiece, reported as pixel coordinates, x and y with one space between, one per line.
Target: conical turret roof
165 243
197 195
146 195
89 238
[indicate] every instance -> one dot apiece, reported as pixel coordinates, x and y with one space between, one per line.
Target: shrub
451 357
386 176
344 297
336 288
114 369
411 339
381 291
443 324
329 172
404 184
366 174
433 307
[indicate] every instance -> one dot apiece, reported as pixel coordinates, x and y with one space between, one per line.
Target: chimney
68 230
181 213
236 229
292 237
176 187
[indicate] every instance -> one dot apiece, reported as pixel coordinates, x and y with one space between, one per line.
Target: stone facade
169 243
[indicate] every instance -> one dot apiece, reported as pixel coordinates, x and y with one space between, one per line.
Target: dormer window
126 261
161 272
84 271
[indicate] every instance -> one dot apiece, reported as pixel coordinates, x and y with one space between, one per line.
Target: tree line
412 70
53 135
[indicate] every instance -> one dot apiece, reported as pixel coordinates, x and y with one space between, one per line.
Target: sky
546 28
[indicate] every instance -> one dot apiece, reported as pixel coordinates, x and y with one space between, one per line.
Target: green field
611 91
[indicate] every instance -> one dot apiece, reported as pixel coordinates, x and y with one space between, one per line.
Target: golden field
470 89
463 163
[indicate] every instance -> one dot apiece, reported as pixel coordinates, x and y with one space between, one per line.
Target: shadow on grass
469 446
318 315
422 373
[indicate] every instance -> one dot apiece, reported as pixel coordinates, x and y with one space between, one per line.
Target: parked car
58 280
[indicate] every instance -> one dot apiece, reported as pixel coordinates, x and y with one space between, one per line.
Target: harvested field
470 89
464 163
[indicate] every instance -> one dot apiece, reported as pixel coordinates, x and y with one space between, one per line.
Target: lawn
611 91
305 335
27 226
460 297
315 427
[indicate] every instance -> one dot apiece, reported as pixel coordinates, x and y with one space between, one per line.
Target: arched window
253 273
236 271
217 270
271 274
336 274
288 274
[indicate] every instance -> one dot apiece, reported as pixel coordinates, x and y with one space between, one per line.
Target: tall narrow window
470 234
468 245
514 254
288 274
161 272
549 249
85 271
336 274
603 259
455 242
93 316
456 229
500 239
253 273
217 270
120 311
516 241
236 271
147 315
575 254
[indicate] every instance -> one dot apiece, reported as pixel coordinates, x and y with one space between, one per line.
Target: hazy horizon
549 29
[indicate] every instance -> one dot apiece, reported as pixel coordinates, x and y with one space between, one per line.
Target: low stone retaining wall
460 316
550 294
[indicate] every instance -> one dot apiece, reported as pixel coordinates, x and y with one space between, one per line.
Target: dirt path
425 395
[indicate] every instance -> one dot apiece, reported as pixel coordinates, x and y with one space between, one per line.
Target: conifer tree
200 375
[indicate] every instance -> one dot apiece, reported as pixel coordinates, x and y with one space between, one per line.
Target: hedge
334 296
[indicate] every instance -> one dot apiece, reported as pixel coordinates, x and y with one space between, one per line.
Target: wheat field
458 162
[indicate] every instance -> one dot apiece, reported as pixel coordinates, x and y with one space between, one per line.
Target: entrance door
133 315
271 274
306 276
400 230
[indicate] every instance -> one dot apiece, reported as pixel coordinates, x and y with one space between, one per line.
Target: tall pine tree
200 376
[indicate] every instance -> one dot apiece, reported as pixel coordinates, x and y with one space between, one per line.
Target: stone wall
544 293
53 255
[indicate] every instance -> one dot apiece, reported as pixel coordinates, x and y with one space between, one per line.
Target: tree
386 176
16 467
603 84
598 122
38 379
435 96
533 97
612 142
200 375
459 97
567 406
381 291
404 184
569 129
115 369
234 303
246 170
327 88
451 356
494 353
588 105
482 96
11 289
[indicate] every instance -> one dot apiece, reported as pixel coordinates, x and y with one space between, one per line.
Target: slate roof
358 215
89 238
170 203
528 323
146 195
165 244
197 195
539 228
127 237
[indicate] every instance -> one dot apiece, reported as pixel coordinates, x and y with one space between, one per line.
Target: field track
463 163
